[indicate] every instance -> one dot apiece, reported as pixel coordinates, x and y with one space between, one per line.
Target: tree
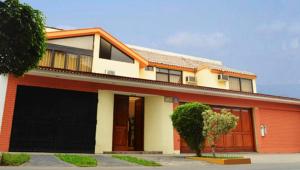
188 121
22 37
217 124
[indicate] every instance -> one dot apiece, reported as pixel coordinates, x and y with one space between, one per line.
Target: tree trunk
198 152
213 149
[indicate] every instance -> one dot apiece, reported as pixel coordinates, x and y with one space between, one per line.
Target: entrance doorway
128 129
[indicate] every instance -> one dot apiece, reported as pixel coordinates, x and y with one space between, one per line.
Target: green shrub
188 121
14 159
22 37
217 124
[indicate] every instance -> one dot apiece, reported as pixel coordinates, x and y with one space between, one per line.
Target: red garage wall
283 130
282 119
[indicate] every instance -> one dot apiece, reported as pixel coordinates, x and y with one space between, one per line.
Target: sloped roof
102 33
181 60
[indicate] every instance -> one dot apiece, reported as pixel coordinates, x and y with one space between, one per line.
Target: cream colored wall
254 85
120 68
158 129
104 127
150 75
206 78
185 74
85 42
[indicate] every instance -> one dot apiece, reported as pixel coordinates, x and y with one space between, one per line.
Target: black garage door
52 120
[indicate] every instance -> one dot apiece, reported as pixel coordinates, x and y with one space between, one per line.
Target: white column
3 87
104 128
158 128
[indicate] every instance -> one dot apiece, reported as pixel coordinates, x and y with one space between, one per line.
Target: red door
139 124
120 131
238 140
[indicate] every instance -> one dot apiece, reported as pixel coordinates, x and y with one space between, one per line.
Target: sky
258 36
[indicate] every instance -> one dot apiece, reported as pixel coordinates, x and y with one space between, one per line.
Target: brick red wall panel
264 145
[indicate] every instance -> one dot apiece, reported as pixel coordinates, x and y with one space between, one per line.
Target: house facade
94 94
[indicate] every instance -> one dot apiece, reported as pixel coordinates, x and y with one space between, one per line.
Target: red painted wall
283 120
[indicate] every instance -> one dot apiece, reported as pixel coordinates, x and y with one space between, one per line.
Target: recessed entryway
128 126
53 120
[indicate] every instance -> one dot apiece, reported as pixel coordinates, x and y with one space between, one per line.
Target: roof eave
158 86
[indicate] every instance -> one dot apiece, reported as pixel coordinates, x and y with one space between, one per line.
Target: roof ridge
175 54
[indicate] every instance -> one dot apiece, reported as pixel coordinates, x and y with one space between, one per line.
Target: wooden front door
120 131
139 124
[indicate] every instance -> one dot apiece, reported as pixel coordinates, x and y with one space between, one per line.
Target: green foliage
22 37
188 121
217 124
14 159
78 160
135 160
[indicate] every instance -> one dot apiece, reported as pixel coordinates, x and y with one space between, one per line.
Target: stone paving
108 161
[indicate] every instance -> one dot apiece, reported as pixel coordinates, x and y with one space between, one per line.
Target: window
109 52
167 75
240 84
149 68
65 60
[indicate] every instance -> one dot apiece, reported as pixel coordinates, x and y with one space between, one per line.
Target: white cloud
212 40
280 26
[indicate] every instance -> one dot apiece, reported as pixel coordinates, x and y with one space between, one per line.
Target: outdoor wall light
263 130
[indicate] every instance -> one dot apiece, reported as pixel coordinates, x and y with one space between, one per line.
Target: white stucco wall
146 74
3 87
85 42
185 74
120 68
104 127
158 128
208 79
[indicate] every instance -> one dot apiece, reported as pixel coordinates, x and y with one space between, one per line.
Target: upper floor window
173 76
69 58
240 84
108 51
149 68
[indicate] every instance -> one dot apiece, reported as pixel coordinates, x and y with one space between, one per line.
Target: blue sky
257 36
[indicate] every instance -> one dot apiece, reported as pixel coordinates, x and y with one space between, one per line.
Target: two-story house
94 94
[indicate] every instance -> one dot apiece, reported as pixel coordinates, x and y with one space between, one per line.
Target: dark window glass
67 60
162 70
149 68
105 49
117 55
246 85
162 77
173 76
240 84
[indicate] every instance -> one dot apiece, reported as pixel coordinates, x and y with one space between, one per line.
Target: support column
3 86
176 134
158 128
104 128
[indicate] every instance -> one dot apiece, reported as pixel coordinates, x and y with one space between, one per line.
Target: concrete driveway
177 162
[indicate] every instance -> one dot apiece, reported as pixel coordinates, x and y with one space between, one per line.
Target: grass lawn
136 160
78 160
16 159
